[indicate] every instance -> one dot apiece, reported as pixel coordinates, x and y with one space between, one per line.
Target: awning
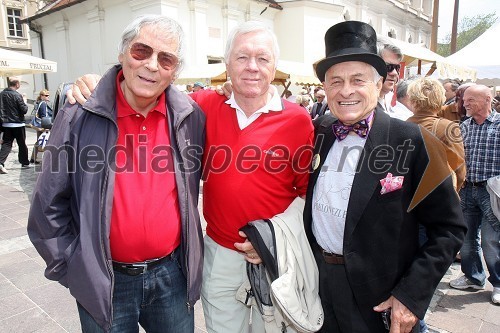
201 74
279 78
417 55
301 74
482 55
14 63
288 72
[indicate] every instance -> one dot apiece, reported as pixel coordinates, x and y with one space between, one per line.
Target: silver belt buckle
144 267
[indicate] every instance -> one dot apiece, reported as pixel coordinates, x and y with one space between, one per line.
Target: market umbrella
14 63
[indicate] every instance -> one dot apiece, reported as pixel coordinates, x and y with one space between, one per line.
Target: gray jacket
69 220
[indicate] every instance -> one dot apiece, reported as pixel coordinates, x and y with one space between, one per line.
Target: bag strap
38 108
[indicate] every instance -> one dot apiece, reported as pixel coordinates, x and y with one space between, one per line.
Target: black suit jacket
381 250
318 109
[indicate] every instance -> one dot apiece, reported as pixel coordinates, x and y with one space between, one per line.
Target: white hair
247 27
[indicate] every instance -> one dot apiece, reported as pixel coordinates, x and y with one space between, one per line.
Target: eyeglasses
391 67
140 51
46 95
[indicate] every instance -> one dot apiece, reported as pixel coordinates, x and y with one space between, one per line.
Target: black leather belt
332 258
476 184
138 268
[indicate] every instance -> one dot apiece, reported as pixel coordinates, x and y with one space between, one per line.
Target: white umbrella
15 63
482 55
418 55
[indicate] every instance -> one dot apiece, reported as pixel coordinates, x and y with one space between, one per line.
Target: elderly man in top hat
374 180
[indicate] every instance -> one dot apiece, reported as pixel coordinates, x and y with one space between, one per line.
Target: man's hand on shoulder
83 87
225 90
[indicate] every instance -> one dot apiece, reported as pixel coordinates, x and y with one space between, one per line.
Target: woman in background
43 110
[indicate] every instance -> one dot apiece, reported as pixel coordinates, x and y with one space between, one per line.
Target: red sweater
253 173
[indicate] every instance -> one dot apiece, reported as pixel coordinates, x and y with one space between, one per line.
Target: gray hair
382 46
402 86
454 84
247 27
170 27
402 89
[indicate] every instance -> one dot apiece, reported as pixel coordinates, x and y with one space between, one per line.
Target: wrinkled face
350 90
392 76
145 80
476 103
320 98
251 64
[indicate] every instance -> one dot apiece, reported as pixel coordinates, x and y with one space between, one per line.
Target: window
13 18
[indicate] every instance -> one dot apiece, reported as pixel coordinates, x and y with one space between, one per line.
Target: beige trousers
224 271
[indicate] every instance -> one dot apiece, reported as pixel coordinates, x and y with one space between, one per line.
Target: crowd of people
374 188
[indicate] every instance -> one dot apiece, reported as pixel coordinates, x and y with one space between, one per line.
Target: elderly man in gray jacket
127 257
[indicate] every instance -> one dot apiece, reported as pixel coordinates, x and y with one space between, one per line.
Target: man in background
450 109
12 113
319 107
197 86
403 109
392 55
481 135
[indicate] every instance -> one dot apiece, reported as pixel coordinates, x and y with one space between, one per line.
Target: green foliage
469 29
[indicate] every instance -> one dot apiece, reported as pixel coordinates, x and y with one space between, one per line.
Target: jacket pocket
391 196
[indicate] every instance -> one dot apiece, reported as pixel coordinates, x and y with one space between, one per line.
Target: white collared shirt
274 104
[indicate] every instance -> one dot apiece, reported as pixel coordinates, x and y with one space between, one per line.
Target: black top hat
350 41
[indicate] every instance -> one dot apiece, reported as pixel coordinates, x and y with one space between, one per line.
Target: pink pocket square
390 183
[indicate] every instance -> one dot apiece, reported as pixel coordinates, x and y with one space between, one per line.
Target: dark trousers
341 310
19 134
342 313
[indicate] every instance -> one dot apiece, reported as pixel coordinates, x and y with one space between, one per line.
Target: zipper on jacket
103 250
186 211
101 213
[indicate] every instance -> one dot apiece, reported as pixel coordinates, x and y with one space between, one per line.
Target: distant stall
288 72
416 55
482 55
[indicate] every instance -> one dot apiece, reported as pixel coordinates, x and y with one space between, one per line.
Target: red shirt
145 221
252 173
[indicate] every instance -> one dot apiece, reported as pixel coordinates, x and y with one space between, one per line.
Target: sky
469 8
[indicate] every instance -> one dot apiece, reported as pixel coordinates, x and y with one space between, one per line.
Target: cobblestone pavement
31 303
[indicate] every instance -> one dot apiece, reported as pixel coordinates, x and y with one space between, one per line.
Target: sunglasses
391 67
140 51
46 95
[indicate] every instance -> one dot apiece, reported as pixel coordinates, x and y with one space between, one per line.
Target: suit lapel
366 179
323 142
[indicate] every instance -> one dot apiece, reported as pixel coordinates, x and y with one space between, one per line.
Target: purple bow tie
361 128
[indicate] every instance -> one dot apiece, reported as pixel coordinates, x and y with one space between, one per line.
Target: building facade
16 36
83 35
